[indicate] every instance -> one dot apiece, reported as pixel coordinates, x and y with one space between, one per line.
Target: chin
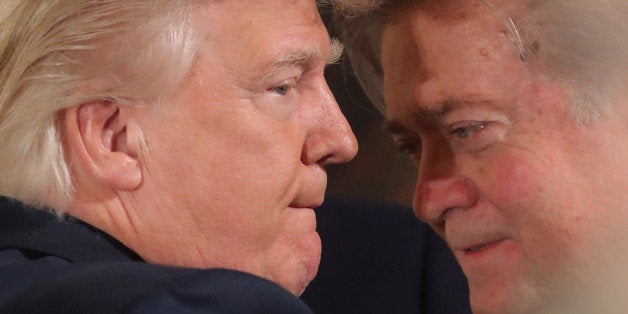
299 289
507 299
305 267
298 286
310 263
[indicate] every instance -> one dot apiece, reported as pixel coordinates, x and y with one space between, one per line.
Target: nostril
317 155
326 148
446 212
326 160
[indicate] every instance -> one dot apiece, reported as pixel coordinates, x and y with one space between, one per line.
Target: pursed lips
310 193
311 198
313 203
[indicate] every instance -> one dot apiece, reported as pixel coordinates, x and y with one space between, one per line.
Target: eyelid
290 83
476 125
412 146
479 135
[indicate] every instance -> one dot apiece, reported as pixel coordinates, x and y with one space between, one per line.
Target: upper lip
467 229
474 247
307 204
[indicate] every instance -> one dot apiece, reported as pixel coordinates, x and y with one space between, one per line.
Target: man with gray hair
179 132
516 113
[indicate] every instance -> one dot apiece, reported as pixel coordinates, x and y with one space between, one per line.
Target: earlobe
98 139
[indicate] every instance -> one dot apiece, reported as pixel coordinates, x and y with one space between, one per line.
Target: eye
467 131
284 88
281 89
410 146
475 136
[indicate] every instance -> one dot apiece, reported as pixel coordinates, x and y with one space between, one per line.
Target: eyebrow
336 49
452 103
305 56
437 110
395 127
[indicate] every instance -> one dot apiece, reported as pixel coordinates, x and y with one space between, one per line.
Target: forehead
257 13
470 26
262 27
466 45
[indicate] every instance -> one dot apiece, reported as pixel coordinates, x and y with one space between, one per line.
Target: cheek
243 176
511 179
539 201
535 193
256 159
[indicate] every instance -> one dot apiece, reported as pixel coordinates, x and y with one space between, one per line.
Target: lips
479 248
473 238
308 202
311 205
475 248
472 235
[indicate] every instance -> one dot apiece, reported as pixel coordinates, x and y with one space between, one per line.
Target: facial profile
230 167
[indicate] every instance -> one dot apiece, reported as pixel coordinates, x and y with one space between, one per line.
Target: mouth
480 260
475 249
307 204
311 207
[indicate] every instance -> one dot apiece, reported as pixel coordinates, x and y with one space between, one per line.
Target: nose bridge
437 158
440 185
330 138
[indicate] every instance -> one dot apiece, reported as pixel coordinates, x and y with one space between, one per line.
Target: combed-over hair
59 53
582 43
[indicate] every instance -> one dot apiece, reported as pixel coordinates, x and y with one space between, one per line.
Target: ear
98 138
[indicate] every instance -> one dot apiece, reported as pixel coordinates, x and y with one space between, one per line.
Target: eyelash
474 136
463 134
410 146
282 89
468 130
285 87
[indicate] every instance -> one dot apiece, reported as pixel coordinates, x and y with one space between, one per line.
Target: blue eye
475 136
281 89
466 132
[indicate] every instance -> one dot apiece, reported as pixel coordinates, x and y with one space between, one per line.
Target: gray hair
59 53
584 43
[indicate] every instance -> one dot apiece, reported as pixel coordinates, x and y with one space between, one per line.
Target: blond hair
59 53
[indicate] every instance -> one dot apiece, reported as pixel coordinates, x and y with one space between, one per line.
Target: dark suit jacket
53 266
376 259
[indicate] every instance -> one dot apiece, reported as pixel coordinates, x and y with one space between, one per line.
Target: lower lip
488 256
303 210
486 261
303 218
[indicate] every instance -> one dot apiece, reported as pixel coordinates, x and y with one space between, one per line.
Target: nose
330 139
440 187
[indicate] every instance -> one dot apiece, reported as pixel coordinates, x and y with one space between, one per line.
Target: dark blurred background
379 171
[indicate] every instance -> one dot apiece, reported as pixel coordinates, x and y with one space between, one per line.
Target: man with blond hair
192 134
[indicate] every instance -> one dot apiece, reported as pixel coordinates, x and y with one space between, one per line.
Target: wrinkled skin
531 203
235 162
